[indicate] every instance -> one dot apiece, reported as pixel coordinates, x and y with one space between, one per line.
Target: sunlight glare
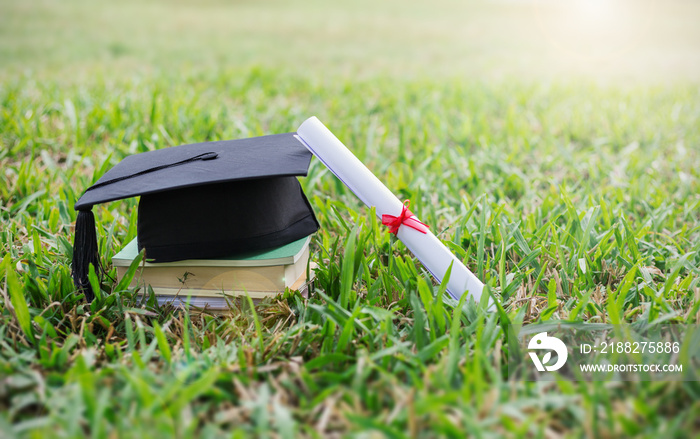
591 31
597 13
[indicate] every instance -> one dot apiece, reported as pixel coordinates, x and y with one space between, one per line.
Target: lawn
566 180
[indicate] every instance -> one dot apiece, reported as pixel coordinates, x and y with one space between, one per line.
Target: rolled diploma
432 253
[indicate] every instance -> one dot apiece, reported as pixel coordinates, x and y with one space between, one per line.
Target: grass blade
17 299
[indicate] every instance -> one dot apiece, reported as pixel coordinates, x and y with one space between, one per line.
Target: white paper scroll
432 253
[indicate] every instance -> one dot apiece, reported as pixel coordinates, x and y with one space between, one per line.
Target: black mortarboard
205 200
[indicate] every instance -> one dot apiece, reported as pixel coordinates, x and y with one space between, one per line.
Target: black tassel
85 252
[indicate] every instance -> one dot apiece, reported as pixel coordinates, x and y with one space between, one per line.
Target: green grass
526 184
574 201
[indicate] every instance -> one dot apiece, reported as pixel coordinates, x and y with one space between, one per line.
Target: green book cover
284 255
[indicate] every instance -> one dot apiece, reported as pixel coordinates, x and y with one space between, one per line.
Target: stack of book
211 283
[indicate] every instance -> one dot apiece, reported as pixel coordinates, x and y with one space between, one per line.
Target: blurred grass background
602 40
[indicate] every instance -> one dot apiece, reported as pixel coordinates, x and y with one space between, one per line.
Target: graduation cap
204 200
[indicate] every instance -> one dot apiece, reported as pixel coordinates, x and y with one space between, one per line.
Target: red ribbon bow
407 217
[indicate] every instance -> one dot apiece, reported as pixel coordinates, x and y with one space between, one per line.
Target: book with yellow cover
221 303
260 274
